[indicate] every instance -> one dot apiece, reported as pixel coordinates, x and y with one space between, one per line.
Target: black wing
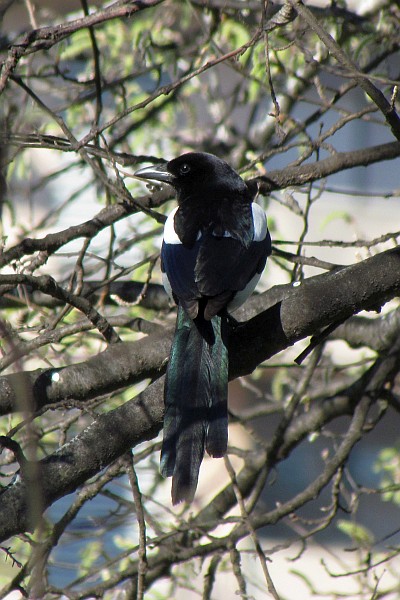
216 268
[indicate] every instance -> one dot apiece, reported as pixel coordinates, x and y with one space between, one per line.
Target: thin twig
142 553
386 107
245 516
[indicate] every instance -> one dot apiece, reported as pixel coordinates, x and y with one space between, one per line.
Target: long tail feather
217 435
195 401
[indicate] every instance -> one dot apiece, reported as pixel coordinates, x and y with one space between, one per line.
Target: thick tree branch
357 402
377 334
296 313
119 366
85 455
303 311
300 175
182 552
151 295
313 305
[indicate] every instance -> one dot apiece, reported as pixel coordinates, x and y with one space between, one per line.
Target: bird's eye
184 169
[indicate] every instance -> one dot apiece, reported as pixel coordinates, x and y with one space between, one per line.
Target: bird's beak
156 172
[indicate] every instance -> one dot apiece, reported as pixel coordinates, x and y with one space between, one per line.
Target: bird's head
195 171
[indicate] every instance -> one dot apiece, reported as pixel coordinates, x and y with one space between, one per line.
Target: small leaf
358 533
338 215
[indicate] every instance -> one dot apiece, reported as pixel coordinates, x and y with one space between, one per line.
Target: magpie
216 243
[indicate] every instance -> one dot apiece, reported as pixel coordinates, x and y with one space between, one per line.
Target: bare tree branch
46 37
276 328
296 312
300 175
387 108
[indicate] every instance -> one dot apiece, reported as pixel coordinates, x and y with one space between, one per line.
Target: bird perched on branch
216 243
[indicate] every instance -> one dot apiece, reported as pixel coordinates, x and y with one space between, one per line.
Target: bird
215 247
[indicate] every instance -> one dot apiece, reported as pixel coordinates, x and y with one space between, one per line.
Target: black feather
195 401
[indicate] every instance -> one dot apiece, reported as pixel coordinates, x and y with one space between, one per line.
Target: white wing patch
260 232
260 222
241 296
167 286
170 236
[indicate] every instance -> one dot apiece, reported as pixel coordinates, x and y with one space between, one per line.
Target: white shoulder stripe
170 236
260 222
241 296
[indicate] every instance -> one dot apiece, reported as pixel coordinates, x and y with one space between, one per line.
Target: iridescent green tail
195 396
